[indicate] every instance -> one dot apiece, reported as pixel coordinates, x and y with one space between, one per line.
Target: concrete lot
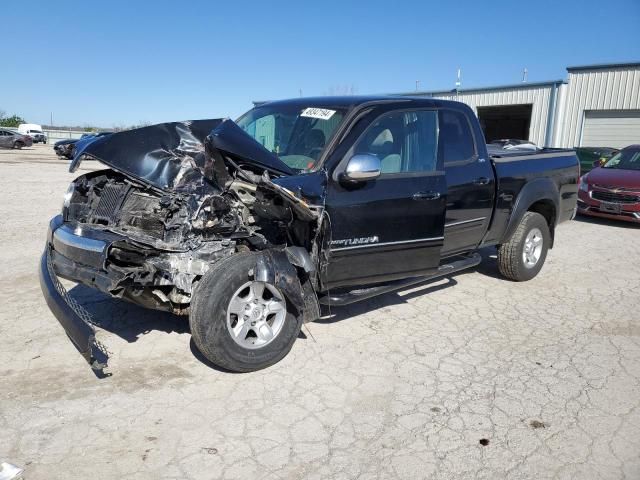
545 373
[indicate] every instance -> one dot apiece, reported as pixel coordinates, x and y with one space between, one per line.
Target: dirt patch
535 424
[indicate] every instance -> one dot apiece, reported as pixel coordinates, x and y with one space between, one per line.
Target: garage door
611 128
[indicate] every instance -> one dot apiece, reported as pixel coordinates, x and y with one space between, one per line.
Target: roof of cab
348 102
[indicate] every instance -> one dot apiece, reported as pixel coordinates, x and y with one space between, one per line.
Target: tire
522 257
212 321
18 145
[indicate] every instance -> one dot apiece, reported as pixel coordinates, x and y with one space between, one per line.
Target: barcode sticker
321 113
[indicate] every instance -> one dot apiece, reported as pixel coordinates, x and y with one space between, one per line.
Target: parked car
588 156
11 139
249 226
34 131
66 148
612 190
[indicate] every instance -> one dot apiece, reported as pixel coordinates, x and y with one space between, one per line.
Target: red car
612 189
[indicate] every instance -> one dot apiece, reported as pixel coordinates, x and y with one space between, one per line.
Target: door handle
426 196
482 181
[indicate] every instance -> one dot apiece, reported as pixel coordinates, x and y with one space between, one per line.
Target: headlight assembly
67 196
584 186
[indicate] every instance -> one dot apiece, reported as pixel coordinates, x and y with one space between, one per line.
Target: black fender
275 266
532 192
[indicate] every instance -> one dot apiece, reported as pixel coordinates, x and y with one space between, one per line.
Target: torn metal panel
273 266
270 189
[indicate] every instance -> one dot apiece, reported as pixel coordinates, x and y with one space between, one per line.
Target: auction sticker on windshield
321 113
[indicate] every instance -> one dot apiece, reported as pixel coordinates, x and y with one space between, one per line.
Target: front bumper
74 318
628 212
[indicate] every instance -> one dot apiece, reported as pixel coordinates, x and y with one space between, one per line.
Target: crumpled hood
172 155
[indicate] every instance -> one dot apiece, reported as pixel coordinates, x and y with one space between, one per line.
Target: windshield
627 159
297 135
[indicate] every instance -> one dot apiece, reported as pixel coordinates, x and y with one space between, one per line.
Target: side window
456 138
403 141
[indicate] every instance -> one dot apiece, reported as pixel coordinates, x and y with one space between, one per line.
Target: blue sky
118 62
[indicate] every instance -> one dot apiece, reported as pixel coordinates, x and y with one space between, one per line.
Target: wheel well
547 209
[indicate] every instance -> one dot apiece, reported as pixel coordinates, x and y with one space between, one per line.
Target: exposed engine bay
176 210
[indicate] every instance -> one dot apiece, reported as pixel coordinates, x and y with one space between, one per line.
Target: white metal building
602 106
598 105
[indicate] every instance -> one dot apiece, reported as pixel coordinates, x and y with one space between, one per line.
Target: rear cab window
455 141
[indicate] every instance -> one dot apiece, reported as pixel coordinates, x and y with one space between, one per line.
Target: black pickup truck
248 227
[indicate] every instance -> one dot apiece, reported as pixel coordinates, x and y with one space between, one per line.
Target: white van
34 131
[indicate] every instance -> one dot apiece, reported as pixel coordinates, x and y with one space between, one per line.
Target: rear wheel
523 256
238 323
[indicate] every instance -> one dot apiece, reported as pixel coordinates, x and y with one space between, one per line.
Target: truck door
393 226
470 182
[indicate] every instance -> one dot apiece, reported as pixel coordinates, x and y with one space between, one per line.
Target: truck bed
520 173
498 153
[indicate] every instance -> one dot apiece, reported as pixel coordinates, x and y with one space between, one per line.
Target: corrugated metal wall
537 95
597 89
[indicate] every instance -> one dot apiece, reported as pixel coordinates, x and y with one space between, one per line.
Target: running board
340 299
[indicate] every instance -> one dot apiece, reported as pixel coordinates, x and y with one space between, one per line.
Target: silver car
10 139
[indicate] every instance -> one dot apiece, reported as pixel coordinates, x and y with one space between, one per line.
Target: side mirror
363 167
600 162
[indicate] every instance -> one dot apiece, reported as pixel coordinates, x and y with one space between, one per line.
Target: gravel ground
469 377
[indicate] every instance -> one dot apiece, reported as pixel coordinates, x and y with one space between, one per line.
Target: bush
12 121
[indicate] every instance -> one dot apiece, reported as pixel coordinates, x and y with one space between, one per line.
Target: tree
12 121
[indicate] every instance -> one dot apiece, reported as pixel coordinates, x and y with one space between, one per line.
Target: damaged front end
178 198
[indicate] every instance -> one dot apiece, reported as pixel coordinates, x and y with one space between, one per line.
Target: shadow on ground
129 321
125 319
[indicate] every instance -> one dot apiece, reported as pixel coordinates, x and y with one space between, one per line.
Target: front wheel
18 145
238 323
522 257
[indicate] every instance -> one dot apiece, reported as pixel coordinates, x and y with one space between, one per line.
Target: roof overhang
513 86
604 66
